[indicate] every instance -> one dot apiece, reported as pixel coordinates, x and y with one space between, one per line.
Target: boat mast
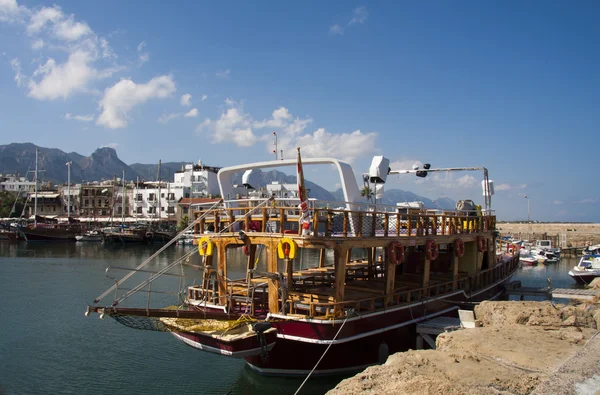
36 189
158 197
68 190
123 200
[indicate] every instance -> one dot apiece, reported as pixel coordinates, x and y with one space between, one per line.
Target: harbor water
48 346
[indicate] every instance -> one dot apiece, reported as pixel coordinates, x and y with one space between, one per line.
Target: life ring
246 250
459 247
431 250
396 252
205 246
289 251
481 244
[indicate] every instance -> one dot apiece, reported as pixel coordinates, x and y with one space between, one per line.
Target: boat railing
323 306
326 222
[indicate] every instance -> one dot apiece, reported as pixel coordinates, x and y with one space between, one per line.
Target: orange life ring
396 252
481 244
459 247
431 250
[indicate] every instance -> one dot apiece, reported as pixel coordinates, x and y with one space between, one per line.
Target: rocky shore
520 348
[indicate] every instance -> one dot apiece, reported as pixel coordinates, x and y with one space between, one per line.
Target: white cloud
204 97
347 146
589 201
185 100
224 74
282 120
61 27
9 10
232 126
16 66
466 181
110 145
192 113
60 81
144 56
61 77
360 15
557 202
82 118
165 118
508 187
38 44
336 29
119 99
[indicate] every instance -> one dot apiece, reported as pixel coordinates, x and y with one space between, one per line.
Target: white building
15 183
197 181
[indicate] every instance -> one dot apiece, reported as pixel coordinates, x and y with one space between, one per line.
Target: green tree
183 223
7 200
367 193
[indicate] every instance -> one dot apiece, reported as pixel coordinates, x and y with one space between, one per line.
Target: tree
7 200
183 223
367 193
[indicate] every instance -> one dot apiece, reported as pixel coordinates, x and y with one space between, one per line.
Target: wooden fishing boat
339 287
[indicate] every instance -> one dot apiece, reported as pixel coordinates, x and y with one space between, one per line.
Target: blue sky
513 86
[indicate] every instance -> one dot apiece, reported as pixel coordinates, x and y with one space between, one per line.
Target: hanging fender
481 244
246 250
205 246
459 247
286 249
396 252
431 250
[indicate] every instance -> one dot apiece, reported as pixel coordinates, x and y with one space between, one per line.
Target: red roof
197 200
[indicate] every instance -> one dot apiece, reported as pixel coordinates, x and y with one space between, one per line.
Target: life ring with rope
481 244
459 247
286 248
396 252
431 250
205 246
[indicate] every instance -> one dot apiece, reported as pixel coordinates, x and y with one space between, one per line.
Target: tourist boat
324 288
587 269
125 236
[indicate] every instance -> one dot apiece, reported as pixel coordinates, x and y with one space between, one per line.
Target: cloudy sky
513 86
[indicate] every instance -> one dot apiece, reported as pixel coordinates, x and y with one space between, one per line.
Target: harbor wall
575 234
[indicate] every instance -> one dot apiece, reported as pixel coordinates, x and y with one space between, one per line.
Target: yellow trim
209 246
293 248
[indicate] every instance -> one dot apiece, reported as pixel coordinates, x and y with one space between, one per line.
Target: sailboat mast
36 189
68 190
123 200
159 199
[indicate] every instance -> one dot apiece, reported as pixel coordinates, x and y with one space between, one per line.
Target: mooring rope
322 356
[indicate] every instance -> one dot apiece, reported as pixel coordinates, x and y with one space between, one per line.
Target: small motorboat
587 269
527 259
90 235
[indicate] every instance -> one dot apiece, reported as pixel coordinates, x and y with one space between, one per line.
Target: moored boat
344 286
587 269
90 235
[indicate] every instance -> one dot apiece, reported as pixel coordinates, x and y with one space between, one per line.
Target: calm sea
48 346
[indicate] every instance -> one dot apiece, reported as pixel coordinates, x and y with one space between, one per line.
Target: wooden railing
324 307
345 223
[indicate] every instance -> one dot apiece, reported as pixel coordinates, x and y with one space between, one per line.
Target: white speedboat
90 235
527 259
587 269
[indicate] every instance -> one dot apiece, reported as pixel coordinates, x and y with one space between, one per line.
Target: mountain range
104 164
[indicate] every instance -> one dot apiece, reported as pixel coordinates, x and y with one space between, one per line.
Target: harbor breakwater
519 348
576 234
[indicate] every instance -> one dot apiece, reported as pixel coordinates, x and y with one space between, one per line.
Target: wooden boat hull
48 234
363 341
242 348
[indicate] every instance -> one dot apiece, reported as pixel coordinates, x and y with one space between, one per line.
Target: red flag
305 216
